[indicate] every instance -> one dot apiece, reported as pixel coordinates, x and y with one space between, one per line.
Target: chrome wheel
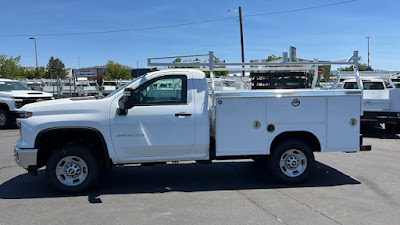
3 119
293 163
71 171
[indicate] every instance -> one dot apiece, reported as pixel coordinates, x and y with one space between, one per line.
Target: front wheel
4 119
73 168
291 162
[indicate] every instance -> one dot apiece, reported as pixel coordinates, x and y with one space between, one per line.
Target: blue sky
326 33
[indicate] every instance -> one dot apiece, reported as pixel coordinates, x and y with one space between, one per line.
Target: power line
173 25
301 9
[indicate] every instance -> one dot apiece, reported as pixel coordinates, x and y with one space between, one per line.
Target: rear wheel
4 119
392 127
73 168
291 162
398 128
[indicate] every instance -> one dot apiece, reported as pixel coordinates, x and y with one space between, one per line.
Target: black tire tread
273 161
8 119
73 150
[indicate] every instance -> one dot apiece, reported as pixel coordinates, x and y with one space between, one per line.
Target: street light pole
368 50
137 68
241 33
37 68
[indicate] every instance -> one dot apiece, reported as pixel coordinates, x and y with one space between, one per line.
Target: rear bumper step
364 146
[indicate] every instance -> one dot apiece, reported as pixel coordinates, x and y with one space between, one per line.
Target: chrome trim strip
25 157
285 93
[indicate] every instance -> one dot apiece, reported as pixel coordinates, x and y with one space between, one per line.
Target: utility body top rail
214 64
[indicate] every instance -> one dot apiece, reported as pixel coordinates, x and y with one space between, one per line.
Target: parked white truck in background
167 116
381 96
14 95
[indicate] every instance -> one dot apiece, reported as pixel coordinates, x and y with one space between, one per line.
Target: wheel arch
51 139
4 106
307 137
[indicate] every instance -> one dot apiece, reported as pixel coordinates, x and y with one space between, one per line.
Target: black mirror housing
126 102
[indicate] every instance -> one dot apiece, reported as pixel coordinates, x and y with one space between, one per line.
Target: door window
167 90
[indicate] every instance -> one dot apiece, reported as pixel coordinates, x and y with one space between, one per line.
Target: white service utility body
170 115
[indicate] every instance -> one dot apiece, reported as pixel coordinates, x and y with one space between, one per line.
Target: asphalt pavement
344 188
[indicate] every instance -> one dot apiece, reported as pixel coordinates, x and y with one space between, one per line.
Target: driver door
161 123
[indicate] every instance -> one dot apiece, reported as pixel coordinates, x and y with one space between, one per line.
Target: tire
4 119
397 128
73 168
291 162
391 128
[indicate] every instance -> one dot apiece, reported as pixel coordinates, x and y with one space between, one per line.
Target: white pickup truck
14 95
166 116
380 97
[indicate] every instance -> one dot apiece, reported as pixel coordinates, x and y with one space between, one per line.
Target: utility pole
368 51
37 68
241 36
241 33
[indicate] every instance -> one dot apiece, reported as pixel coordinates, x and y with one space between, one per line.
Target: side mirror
126 102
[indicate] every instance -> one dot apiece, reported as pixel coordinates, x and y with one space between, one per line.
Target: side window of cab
166 90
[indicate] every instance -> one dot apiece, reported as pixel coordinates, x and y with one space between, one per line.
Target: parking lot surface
356 188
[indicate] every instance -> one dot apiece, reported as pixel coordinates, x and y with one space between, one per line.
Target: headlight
18 103
24 115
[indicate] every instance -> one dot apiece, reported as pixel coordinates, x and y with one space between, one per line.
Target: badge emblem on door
295 102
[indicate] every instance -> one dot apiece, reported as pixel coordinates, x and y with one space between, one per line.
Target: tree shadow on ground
220 175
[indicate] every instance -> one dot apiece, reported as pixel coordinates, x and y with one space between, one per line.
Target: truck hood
25 94
67 106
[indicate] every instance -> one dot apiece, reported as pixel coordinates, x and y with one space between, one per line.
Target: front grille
25 101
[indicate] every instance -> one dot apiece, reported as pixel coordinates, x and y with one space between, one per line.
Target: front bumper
25 157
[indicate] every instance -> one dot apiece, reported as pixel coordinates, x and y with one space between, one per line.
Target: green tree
10 67
31 74
272 58
216 73
55 69
361 67
116 71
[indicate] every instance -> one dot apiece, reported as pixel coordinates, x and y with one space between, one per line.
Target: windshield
123 87
11 86
367 85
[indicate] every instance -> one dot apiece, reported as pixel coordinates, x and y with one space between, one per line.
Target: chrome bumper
25 157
